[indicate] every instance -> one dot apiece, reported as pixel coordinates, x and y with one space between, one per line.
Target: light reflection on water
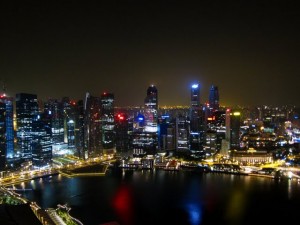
149 197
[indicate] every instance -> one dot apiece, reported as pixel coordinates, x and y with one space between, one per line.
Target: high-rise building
79 129
92 125
3 146
197 125
121 131
26 110
9 127
70 113
54 109
41 143
213 98
107 121
151 108
182 134
235 124
145 136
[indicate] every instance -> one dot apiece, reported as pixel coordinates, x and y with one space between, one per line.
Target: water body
168 197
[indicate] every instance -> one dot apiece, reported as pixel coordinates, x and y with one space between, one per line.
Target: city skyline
247 49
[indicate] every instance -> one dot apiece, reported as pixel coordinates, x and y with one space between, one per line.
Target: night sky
249 49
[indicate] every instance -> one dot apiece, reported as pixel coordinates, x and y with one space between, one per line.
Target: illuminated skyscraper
182 134
26 110
195 109
196 135
41 143
2 136
145 137
9 133
107 121
121 130
54 109
92 125
70 113
151 107
235 124
79 129
213 98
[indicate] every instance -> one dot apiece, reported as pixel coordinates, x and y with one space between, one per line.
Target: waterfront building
26 110
251 157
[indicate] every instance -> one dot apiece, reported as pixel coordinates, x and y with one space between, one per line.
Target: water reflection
136 197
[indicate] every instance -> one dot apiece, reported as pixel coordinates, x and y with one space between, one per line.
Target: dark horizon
248 49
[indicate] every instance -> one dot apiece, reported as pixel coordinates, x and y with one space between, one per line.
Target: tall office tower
197 125
121 131
213 98
3 146
67 115
211 142
92 125
9 126
166 133
79 129
182 134
151 108
227 124
54 109
26 110
235 124
107 121
70 114
195 109
41 143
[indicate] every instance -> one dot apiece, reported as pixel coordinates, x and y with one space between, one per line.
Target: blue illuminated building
41 144
26 110
2 136
9 135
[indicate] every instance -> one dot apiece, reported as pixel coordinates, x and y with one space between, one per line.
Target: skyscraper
213 98
92 125
79 129
235 124
195 110
151 108
41 143
107 121
2 136
122 136
145 138
196 135
26 110
54 109
9 127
